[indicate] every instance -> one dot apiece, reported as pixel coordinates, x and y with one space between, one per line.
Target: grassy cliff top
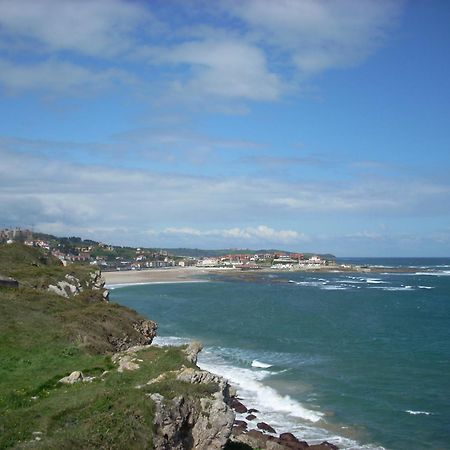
34 268
44 337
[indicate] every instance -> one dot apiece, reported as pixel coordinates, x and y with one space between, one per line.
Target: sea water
359 359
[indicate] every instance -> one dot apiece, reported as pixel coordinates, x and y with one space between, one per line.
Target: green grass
44 337
34 268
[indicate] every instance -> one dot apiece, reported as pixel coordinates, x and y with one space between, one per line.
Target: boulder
251 417
240 424
265 427
75 377
238 406
291 442
323 446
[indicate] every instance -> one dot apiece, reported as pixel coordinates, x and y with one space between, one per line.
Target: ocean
359 359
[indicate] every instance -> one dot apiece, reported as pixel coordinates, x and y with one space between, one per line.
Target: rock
185 423
265 427
252 410
323 446
291 442
253 438
251 417
126 362
147 328
74 377
192 350
238 406
240 425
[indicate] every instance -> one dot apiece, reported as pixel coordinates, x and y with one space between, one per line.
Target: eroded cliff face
72 285
187 422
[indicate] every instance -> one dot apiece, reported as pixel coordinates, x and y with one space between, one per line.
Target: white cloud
54 76
92 27
261 233
320 34
227 68
261 52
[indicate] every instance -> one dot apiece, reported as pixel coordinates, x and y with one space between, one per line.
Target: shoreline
116 279
154 276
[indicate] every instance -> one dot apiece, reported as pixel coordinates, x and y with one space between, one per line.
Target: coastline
199 274
151 276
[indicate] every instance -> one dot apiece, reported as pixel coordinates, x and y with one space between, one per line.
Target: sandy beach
170 275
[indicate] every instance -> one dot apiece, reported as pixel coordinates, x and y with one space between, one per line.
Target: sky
306 125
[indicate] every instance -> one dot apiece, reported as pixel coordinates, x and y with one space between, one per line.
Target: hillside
45 337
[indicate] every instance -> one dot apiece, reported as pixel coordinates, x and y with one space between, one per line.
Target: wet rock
238 406
265 427
240 424
291 442
251 417
323 446
252 410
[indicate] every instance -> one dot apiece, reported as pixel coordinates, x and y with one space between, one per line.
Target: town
70 250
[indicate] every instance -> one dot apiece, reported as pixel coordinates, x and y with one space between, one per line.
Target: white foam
122 285
264 398
374 281
394 288
440 273
333 287
260 365
416 413
281 411
425 287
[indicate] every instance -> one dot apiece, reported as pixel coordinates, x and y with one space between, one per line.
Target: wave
282 412
416 413
437 273
260 365
394 288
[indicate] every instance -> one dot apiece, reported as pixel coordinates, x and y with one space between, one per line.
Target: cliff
79 372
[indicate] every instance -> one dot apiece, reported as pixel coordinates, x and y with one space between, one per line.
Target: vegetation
44 337
34 268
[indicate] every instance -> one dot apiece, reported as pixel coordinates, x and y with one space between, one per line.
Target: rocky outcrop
71 286
192 351
146 331
76 377
185 422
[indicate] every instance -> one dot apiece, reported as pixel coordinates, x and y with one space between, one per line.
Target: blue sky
309 125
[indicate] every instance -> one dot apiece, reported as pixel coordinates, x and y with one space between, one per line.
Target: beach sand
169 275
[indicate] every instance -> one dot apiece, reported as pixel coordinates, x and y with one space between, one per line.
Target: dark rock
293 445
264 426
289 437
251 417
323 446
257 435
238 406
251 411
241 424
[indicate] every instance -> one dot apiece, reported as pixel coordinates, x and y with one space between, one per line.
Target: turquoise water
360 360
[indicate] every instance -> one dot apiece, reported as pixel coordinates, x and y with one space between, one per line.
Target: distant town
107 257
